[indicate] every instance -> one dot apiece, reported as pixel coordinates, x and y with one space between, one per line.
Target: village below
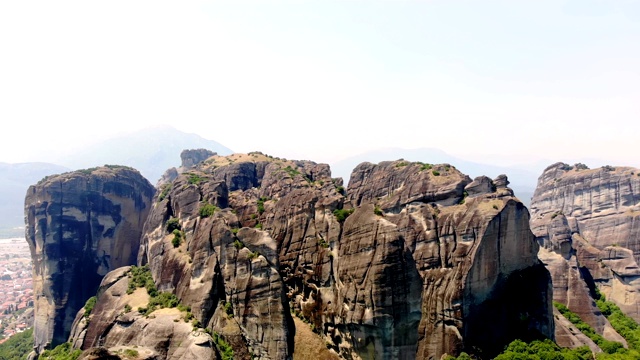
16 288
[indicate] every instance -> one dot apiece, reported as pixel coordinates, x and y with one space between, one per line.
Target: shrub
342 214
141 277
377 210
177 238
253 255
228 308
238 244
165 191
131 353
261 204
173 224
226 351
207 210
61 352
89 305
426 167
340 190
259 226
435 173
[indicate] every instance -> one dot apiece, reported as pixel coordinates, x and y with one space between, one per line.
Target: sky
324 80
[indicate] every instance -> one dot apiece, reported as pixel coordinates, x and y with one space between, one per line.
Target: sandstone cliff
80 226
412 260
588 220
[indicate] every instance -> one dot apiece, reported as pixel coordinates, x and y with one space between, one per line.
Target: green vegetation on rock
622 323
173 224
542 350
207 210
61 352
226 351
18 346
177 238
195 179
89 305
607 346
342 214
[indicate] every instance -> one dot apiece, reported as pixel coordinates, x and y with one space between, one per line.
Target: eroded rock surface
588 221
80 226
115 326
412 260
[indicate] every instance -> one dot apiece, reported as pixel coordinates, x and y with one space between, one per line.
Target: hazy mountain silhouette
14 182
151 151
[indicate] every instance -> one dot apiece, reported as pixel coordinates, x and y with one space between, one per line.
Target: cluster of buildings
16 287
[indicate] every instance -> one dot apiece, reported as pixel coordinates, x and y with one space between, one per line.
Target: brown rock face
590 219
164 334
405 264
80 225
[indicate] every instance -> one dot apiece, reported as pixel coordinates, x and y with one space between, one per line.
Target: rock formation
412 260
79 226
189 159
588 222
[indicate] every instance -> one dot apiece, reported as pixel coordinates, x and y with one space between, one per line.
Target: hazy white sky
323 80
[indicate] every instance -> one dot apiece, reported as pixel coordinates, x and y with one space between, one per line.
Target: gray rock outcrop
80 226
588 222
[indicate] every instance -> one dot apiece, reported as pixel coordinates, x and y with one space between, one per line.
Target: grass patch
195 179
291 171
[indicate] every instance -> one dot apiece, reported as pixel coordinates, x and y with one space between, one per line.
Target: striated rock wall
411 261
588 221
80 226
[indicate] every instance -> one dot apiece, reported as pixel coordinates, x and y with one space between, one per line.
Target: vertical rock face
79 226
411 261
588 221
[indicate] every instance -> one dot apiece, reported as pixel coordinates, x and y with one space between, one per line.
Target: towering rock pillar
80 226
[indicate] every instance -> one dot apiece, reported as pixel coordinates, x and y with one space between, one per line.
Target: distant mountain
15 179
151 151
523 181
